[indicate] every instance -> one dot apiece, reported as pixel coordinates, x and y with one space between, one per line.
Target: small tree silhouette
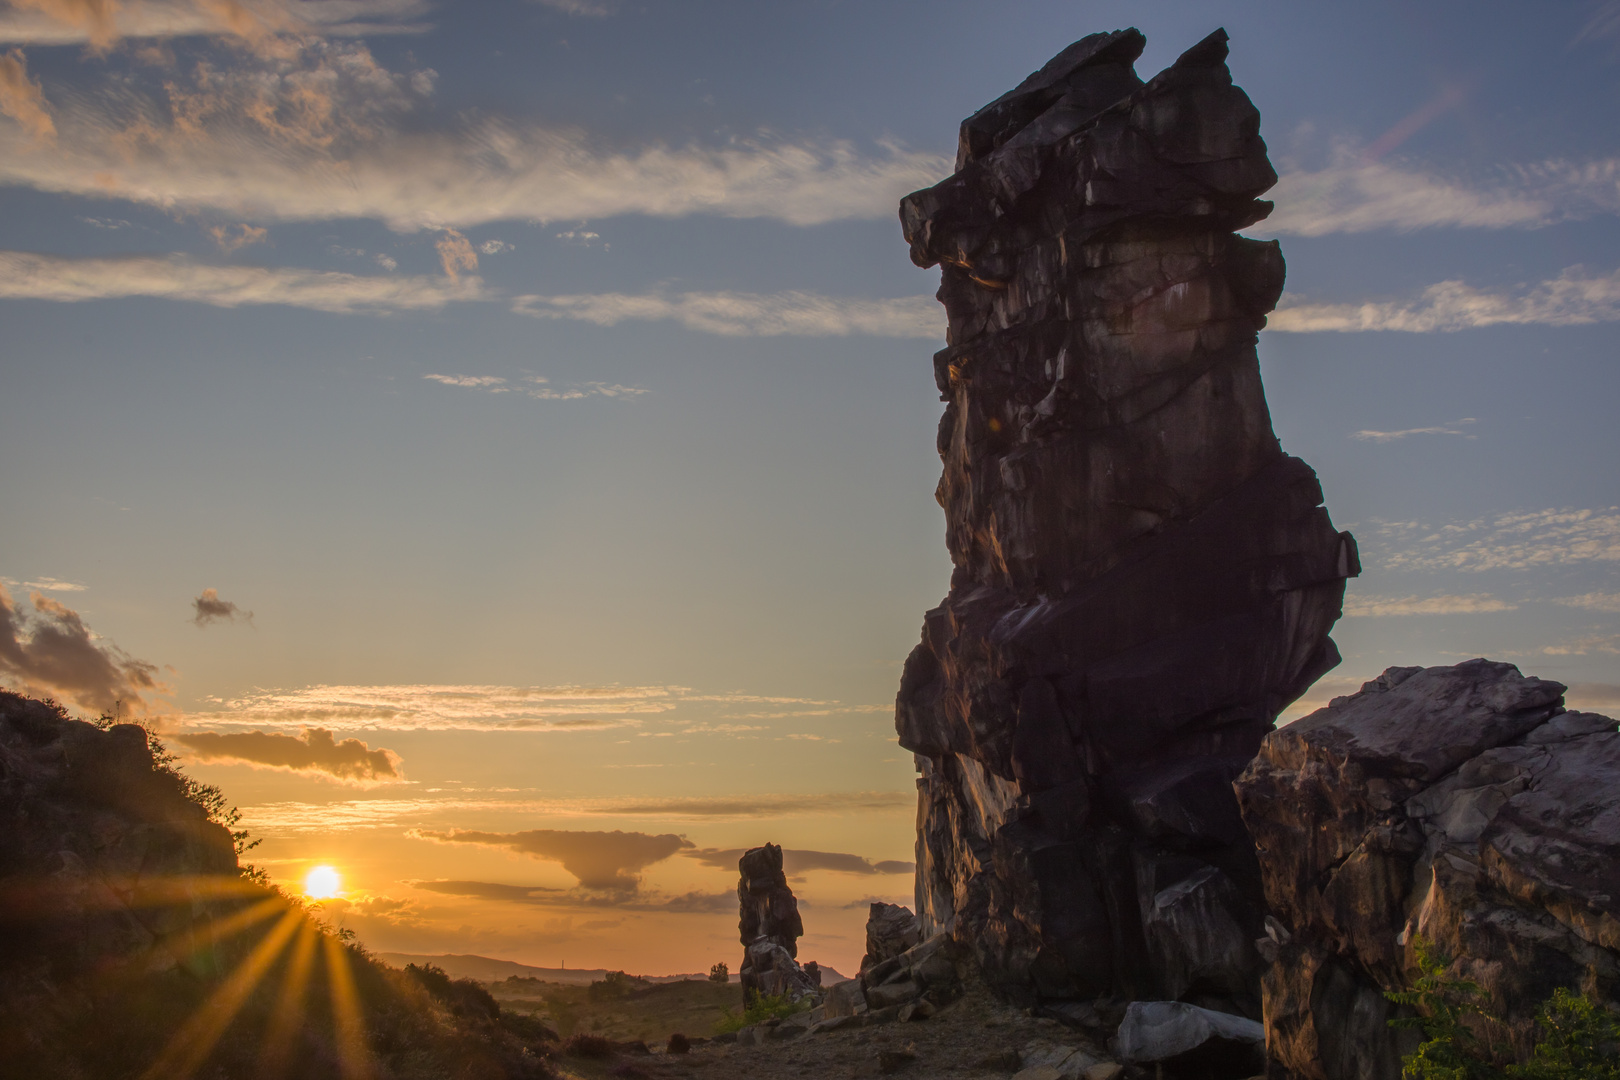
719 973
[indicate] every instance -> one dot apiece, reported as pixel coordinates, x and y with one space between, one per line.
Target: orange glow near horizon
322 883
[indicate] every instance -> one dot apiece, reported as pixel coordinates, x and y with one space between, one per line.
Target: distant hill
485 969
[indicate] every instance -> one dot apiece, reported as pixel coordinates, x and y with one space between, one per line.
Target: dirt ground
975 1036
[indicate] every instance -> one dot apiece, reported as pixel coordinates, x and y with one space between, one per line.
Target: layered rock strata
1143 579
1463 805
769 927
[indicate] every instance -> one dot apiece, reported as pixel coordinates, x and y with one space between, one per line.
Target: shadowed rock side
1143 579
1462 804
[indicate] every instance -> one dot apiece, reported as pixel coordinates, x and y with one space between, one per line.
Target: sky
495 442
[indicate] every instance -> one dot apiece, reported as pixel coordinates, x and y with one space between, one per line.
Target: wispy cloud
1516 541
1586 645
323 132
1472 604
1453 428
600 860
243 236
750 314
799 862
27 276
101 22
537 387
1356 194
313 752
692 903
23 99
1592 601
50 651
591 8
1574 298
292 817
208 608
1597 697
45 584
476 707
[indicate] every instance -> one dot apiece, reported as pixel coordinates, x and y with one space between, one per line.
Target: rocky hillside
131 945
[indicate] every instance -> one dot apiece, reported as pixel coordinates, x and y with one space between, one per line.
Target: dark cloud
51 652
208 607
600 860
754 806
315 750
802 862
866 902
692 903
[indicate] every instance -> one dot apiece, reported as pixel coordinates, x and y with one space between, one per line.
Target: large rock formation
1143 579
1460 804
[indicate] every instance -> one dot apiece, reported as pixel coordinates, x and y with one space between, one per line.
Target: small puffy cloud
1453 428
750 314
494 384
600 860
456 254
209 608
22 98
49 651
798 862
1575 298
596 9
27 276
314 752
494 247
387 262
1376 606
243 236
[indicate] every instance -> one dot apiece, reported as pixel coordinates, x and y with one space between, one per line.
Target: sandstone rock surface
1463 804
1143 579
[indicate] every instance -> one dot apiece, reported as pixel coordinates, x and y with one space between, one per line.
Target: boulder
1463 805
1183 1040
1142 578
891 929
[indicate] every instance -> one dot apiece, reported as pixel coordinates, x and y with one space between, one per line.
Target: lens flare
322 883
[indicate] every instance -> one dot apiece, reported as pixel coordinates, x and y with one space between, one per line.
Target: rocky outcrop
1143 579
1462 805
891 929
909 984
770 928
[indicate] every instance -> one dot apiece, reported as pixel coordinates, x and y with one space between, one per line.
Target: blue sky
519 345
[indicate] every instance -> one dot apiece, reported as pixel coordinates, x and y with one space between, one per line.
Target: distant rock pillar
769 927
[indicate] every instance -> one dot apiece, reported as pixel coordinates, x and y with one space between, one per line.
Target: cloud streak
1355 195
600 860
50 651
314 752
29 276
537 388
799 862
750 314
1453 428
692 903
101 22
1517 541
1575 298
1378 606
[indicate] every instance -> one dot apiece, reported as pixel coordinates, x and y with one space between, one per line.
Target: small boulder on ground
1188 1042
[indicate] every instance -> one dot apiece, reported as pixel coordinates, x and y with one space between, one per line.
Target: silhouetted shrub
679 1044
720 973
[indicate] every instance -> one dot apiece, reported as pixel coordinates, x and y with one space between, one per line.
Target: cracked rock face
769 927
1462 804
1143 579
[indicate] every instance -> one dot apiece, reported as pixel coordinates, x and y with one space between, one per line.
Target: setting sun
322 883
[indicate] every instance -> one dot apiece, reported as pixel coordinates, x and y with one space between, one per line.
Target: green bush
760 1008
1578 1038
